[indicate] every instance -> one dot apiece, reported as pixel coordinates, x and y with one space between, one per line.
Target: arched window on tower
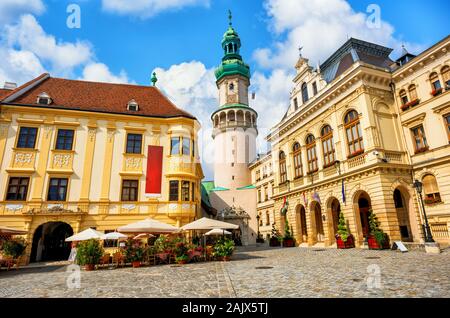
435 84
298 171
283 171
327 146
431 189
311 154
354 134
305 93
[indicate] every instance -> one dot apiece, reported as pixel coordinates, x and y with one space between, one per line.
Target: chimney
10 85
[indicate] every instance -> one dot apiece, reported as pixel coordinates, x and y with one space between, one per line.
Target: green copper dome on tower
232 62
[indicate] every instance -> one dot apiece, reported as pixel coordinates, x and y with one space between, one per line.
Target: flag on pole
343 191
316 197
284 208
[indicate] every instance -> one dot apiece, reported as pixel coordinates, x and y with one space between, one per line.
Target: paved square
257 272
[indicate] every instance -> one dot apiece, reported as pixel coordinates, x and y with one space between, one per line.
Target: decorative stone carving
14 207
61 160
173 206
110 135
234 212
47 131
22 158
133 163
129 206
92 132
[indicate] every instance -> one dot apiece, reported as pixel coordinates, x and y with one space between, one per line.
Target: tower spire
229 17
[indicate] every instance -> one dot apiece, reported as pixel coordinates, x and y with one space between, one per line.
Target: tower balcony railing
235 123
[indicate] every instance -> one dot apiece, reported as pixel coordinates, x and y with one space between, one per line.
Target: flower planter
350 243
89 267
373 244
225 258
274 242
136 264
436 92
288 243
182 262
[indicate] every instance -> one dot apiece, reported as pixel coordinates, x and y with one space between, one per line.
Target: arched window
305 93
446 75
283 172
327 146
311 154
412 92
431 189
298 171
435 84
354 134
403 97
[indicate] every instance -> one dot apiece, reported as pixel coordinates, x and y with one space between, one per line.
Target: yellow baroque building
77 154
348 144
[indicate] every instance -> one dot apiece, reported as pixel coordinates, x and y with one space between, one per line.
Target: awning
209 224
86 235
148 226
218 232
11 231
113 236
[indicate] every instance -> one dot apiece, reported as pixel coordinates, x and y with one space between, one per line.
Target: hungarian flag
154 171
284 208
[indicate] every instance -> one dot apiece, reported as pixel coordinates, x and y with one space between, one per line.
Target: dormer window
133 106
44 98
231 87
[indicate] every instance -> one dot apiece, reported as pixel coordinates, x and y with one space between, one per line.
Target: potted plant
181 252
343 238
288 239
89 254
275 237
14 248
134 252
436 91
259 238
377 239
223 249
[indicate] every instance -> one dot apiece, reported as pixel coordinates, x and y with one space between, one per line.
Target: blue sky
138 45
124 41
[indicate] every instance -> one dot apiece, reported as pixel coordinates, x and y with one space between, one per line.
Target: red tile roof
4 92
99 97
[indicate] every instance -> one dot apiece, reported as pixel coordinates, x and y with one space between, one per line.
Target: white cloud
320 27
148 8
62 56
11 9
191 86
20 66
29 51
99 72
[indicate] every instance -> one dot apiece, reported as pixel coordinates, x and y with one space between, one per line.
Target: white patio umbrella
148 226
209 224
143 235
218 232
11 231
86 235
113 236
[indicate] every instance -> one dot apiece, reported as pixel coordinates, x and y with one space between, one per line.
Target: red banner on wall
154 170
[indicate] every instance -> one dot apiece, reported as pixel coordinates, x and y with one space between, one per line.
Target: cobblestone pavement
257 272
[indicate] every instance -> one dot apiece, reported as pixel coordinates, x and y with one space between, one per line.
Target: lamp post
257 220
426 227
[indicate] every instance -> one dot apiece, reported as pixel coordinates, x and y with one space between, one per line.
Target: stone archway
333 211
49 242
362 205
402 204
318 234
302 230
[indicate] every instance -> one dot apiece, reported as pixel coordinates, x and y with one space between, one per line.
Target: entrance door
335 211
319 224
364 215
49 242
303 223
402 216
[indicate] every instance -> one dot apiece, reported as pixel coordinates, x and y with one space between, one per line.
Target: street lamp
257 220
426 227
